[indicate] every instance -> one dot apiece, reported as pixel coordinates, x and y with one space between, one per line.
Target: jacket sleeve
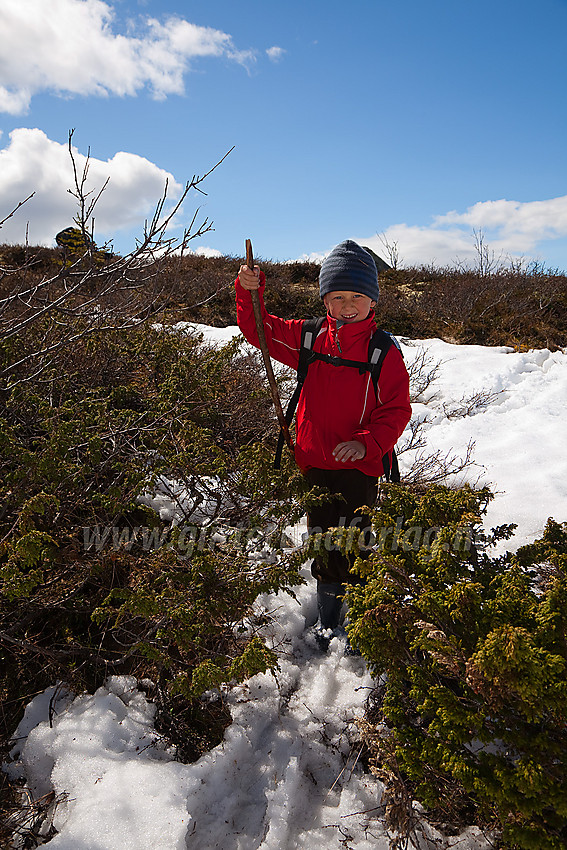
283 337
393 409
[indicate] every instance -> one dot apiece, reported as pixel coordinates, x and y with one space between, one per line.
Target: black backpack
378 347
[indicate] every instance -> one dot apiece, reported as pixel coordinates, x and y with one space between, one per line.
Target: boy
343 427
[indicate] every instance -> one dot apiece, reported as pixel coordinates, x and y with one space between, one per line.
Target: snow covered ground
286 775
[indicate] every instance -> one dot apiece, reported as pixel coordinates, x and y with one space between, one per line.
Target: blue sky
413 123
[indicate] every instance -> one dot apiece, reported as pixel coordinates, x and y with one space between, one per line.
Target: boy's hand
351 450
249 279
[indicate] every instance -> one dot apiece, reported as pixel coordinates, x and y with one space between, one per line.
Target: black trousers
356 489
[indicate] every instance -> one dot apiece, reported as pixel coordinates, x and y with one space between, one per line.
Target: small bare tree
391 249
487 262
90 293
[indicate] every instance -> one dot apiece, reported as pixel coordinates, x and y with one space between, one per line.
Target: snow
519 437
98 747
286 774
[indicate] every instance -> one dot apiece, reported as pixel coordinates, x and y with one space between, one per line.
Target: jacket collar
352 330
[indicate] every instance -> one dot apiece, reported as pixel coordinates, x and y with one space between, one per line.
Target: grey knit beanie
350 268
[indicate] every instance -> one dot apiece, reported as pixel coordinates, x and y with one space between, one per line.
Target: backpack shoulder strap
378 347
309 333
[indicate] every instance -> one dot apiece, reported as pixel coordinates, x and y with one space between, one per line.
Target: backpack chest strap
333 360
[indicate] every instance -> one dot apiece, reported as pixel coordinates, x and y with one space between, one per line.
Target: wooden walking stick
266 354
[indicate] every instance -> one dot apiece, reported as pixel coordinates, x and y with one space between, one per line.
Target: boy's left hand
351 450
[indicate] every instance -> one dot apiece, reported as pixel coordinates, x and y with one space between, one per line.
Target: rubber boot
329 605
350 650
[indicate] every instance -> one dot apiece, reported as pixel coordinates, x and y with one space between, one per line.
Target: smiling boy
345 429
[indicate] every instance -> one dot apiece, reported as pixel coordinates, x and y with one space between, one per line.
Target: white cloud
509 229
275 53
531 221
315 257
72 47
32 162
203 251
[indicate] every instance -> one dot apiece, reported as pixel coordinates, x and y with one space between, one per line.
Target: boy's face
348 306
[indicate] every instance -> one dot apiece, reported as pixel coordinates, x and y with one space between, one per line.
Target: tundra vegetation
104 398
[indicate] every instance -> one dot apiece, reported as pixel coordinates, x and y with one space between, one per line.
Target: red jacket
337 403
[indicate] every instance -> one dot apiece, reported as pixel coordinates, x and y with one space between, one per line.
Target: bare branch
16 208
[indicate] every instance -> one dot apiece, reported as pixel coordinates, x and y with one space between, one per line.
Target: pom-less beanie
349 268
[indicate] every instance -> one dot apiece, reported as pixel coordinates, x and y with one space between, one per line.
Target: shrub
472 717
92 579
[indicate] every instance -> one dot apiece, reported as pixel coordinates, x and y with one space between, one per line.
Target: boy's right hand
249 279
